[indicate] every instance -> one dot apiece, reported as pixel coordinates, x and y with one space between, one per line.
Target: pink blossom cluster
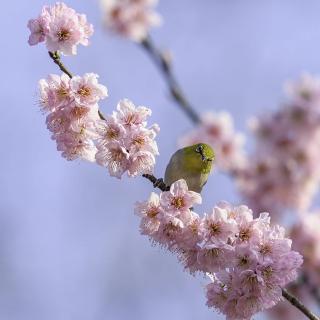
72 107
216 129
130 18
121 141
247 259
125 143
61 28
284 170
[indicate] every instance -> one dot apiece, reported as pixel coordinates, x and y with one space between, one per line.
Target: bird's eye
199 148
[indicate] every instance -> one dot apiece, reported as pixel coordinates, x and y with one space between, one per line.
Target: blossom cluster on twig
247 259
72 107
61 28
122 142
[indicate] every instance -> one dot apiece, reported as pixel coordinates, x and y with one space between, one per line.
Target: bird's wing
174 169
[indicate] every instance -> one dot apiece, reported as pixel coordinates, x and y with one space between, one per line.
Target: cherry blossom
54 92
86 89
125 143
39 28
61 28
179 199
149 212
122 142
73 129
218 226
71 119
247 259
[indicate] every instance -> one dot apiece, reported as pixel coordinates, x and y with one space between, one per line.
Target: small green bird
192 164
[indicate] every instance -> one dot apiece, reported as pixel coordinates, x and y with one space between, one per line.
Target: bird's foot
159 183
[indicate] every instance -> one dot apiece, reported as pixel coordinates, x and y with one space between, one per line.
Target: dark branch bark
174 87
157 183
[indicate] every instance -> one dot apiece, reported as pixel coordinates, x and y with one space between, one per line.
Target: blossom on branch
61 28
72 128
71 105
121 141
247 259
125 143
130 18
57 92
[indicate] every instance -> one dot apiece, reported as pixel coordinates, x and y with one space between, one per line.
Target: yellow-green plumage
192 164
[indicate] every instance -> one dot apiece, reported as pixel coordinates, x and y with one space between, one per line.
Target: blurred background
70 246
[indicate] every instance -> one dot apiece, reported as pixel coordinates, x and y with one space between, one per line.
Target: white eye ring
199 148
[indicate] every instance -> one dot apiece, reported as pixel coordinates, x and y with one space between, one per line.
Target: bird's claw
158 183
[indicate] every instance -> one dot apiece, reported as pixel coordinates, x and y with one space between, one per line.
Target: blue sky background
69 242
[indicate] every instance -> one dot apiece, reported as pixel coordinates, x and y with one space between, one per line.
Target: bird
191 163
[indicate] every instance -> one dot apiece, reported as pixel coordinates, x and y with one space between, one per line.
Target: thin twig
101 115
157 183
57 60
175 89
299 305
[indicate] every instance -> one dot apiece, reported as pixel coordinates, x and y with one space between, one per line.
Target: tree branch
57 60
157 183
299 305
175 89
